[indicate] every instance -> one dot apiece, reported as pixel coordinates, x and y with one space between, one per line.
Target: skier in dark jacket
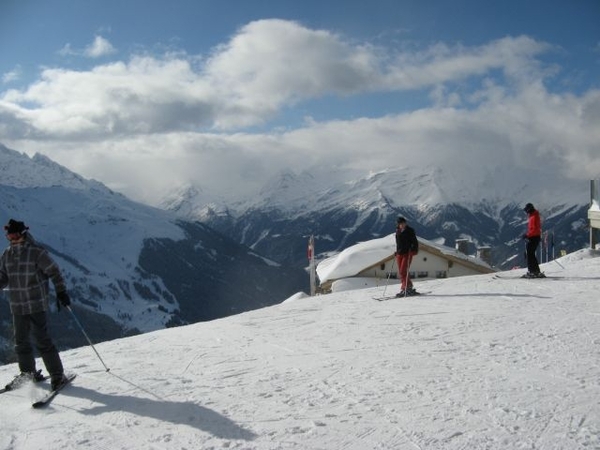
533 237
25 268
407 246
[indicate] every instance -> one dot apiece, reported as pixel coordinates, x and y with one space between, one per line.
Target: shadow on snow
184 413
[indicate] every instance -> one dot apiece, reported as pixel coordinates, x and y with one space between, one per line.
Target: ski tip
50 395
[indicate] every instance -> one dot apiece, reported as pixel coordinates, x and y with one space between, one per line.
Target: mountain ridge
483 205
113 253
400 187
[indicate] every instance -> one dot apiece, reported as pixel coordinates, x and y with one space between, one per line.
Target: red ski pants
403 265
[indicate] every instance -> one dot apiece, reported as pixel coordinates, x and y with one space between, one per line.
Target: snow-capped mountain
484 205
129 267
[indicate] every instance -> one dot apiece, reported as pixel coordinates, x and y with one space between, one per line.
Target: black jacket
406 241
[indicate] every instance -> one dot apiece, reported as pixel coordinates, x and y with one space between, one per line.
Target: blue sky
193 90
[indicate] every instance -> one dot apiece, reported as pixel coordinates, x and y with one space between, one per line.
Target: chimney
462 245
485 254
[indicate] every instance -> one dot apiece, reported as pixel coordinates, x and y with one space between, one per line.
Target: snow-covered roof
352 260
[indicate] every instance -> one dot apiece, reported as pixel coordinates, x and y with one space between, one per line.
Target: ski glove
62 298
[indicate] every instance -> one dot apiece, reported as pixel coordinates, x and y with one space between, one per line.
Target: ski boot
23 378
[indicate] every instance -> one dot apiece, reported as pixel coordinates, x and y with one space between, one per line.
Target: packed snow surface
480 362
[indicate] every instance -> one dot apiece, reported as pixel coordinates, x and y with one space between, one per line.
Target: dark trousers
36 326
532 261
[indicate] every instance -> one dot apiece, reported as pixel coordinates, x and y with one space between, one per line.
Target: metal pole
387 282
407 274
593 196
312 267
87 337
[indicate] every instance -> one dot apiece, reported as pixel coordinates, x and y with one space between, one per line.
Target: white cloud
67 50
273 63
11 76
100 47
534 129
269 65
149 122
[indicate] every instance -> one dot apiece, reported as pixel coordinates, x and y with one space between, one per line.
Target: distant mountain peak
22 171
487 188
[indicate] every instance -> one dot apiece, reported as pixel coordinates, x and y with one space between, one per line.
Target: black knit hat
401 220
528 208
14 227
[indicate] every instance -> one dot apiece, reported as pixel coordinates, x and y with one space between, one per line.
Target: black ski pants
532 261
35 325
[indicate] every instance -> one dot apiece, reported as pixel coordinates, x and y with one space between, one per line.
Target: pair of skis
392 297
47 398
524 277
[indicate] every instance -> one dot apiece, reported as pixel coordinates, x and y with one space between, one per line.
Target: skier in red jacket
533 237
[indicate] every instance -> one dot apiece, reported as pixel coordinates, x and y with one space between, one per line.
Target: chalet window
422 274
441 274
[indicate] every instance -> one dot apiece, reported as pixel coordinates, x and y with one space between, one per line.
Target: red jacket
534 225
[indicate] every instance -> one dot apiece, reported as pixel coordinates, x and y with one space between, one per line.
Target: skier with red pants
407 246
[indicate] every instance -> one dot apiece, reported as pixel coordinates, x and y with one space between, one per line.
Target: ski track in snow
480 363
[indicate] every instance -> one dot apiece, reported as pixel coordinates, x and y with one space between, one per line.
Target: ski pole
387 281
87 337
408 262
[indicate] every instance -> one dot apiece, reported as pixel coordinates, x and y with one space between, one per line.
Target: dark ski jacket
25 269
406 241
